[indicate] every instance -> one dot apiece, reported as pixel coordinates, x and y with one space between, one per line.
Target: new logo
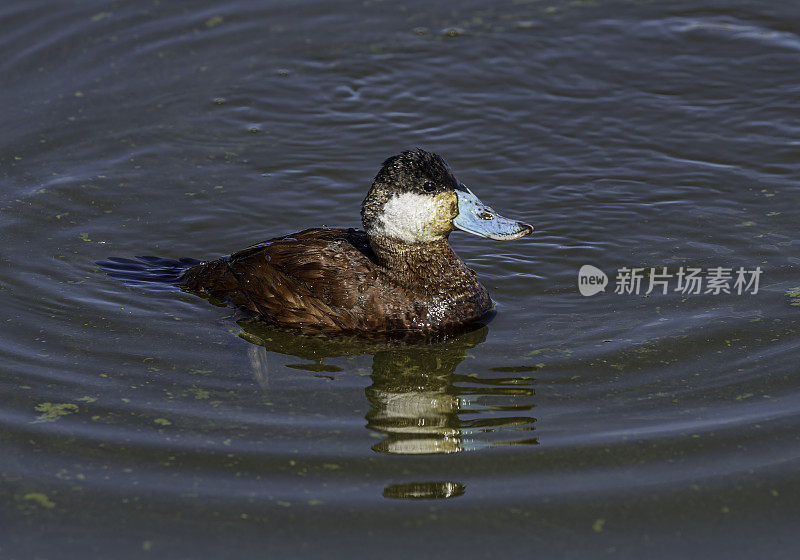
591 280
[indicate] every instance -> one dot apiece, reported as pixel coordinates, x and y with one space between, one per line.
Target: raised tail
153 272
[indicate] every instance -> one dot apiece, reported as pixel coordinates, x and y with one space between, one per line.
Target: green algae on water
794 296
40 499
53 411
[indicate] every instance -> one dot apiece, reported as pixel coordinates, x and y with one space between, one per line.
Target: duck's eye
429 186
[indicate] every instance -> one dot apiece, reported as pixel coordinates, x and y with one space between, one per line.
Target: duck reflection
424 490
417 401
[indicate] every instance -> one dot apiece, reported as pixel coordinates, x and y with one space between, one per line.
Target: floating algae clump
40 499
53 411
794 296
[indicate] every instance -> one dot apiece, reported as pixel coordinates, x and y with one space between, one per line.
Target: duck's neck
430 266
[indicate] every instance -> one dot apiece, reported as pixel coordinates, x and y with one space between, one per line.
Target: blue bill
479 219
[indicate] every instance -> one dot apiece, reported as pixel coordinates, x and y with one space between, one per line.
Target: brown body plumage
330 280
398 276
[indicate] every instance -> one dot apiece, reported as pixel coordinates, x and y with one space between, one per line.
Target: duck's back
317 279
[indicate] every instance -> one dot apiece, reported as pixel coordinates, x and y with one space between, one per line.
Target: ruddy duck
399 275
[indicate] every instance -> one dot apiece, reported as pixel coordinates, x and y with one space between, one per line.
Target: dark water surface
141 422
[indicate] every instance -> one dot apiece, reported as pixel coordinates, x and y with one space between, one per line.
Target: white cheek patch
410 217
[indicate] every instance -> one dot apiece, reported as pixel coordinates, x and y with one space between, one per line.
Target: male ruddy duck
398 276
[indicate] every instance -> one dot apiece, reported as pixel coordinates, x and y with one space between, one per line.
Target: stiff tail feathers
147 271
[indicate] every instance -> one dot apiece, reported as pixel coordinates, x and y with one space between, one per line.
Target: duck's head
415 198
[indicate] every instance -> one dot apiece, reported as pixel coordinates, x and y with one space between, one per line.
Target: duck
398 275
